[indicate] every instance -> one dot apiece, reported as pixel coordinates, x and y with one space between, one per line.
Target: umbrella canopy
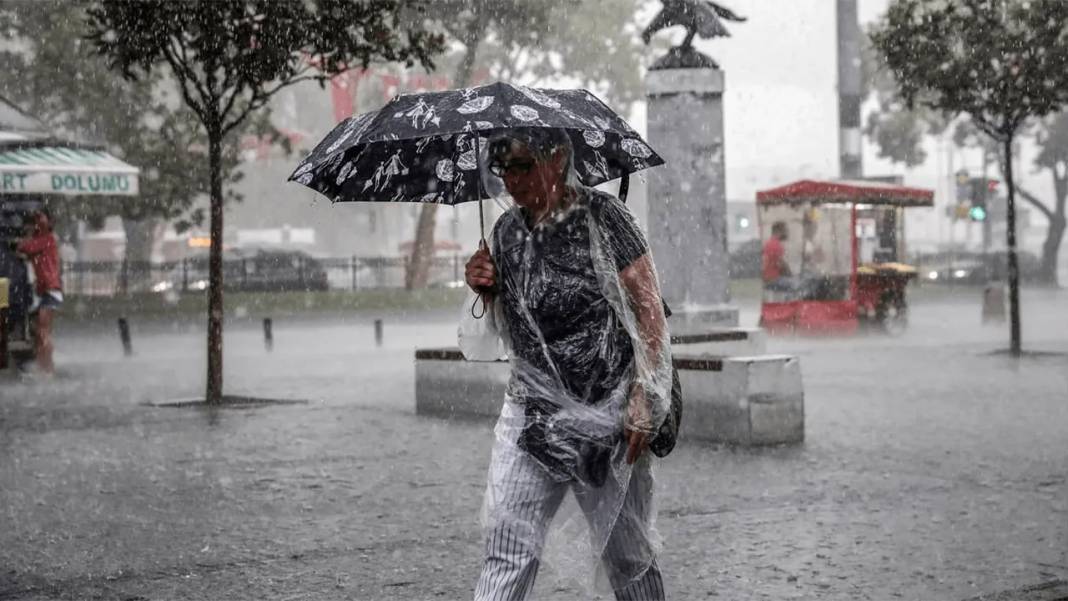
424 147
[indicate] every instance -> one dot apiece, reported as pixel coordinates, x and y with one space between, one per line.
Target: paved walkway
931 470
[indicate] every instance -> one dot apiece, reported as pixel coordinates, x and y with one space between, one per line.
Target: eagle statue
699 17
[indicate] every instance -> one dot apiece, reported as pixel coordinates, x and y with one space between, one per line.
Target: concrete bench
753 400
724 342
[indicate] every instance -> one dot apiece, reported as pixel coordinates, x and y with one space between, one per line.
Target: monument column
687 196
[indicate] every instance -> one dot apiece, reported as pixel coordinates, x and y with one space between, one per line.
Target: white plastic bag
480 339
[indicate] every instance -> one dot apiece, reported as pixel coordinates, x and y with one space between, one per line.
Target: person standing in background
41 249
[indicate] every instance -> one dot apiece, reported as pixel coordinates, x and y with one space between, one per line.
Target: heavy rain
553 299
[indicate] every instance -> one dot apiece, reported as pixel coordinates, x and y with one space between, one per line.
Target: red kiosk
834 262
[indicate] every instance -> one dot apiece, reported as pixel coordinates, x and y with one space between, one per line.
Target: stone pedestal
687 197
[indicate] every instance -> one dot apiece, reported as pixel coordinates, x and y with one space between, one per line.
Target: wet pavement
932 469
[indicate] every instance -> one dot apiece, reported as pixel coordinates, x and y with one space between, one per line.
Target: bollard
4 286
268 335
994 304
124 335
3 337
378 332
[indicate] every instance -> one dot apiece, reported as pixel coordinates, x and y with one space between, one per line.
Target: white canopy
55 168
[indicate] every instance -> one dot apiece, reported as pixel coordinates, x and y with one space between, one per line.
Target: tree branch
187 93
258 101
1035 202
180 57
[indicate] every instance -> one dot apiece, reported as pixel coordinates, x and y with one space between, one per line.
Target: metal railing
253 274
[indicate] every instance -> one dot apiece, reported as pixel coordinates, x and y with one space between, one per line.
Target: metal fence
254 274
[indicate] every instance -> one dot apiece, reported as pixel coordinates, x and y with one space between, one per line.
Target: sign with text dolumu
65 172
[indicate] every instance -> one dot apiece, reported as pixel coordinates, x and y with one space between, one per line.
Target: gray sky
781 102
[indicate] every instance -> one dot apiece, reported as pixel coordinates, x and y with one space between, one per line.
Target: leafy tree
229 57
52 73
1001 62
593 43
898 132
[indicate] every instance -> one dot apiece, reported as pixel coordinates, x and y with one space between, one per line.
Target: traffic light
982 190
964 187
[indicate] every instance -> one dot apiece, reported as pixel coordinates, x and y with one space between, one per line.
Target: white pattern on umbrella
385 172
483 125
635 148
539 97
421 145
360 124
304 168
333 163
467 161
523 113
445 170
422 114
594 138
599 167
339 141
432 197
475 105
305 179
345 172
602 123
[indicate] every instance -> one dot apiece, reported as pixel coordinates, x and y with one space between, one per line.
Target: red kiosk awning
860 192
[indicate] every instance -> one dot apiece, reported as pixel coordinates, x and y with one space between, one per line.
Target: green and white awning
64 171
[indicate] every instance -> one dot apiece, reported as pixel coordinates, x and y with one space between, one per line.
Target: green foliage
230 56
595 44
999 61
52 72
897 130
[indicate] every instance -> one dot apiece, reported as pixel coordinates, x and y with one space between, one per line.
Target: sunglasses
516 167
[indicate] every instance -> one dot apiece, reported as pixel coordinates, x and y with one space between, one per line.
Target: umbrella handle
478 299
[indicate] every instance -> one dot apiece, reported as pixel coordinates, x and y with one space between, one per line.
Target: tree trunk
1050 248
213 394
1014 269
1057 224
140 235
418 272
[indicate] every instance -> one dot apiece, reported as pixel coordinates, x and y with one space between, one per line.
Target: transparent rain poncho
577 311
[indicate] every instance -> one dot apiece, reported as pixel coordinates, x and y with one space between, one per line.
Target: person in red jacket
43 252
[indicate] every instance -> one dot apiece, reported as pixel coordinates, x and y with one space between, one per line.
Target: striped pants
522 499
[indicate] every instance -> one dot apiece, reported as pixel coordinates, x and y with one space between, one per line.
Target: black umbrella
424 147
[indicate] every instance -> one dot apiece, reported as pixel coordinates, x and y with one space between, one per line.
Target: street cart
832 255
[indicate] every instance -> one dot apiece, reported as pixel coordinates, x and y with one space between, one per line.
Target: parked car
975 268
278 271
261 271
958 271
